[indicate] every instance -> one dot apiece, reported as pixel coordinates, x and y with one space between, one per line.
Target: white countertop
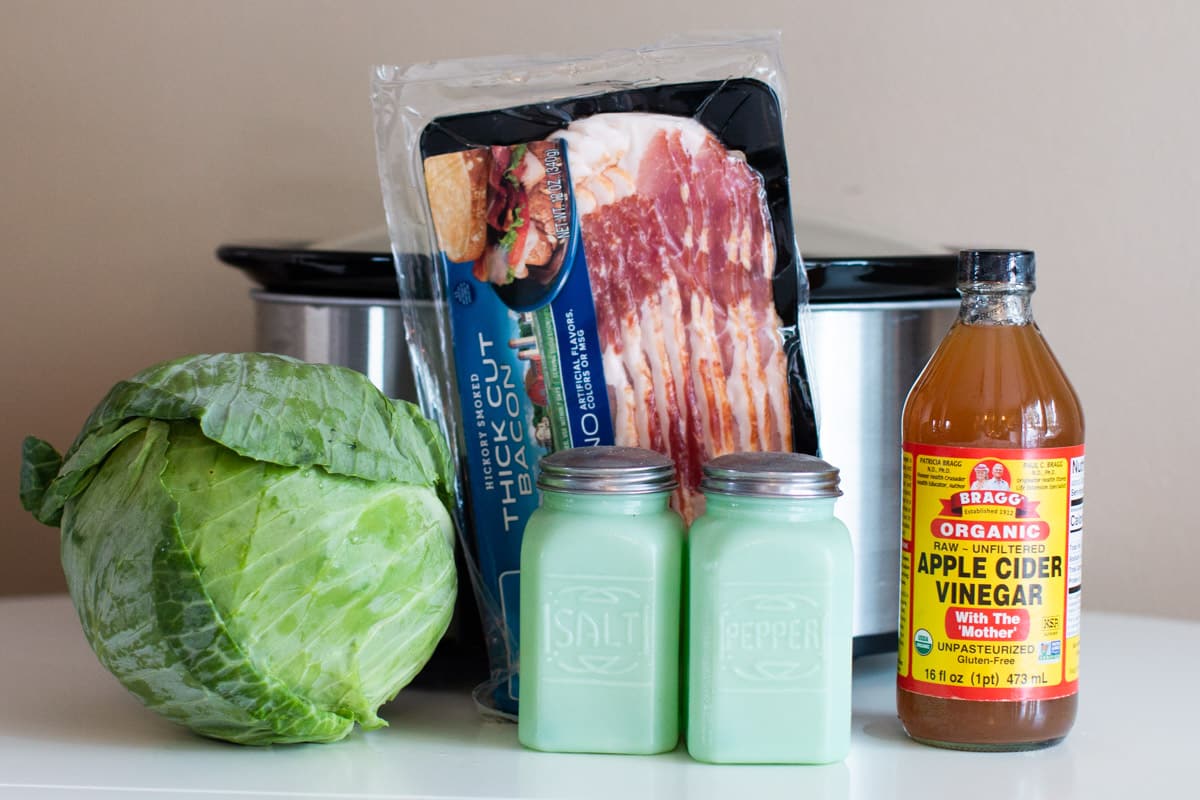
68 730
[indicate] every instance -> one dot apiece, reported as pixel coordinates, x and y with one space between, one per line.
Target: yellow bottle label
990 578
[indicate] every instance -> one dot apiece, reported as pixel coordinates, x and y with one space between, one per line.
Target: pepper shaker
770 589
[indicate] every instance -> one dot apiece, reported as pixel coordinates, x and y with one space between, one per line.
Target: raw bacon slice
680 253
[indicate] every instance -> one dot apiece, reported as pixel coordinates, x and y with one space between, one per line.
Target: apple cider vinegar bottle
992 526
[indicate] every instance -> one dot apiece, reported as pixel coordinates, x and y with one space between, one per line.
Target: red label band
974 625
1021 505
989 530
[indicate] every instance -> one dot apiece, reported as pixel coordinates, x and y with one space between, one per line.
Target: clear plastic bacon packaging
614 262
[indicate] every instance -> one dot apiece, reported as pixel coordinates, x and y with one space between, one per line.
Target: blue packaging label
499 421
526 352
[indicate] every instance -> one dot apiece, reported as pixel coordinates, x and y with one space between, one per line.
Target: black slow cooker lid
843 279
296 268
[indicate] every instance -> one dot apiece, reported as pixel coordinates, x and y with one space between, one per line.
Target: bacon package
616 264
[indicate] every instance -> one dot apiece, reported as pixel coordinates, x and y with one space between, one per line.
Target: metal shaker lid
607 470
792 475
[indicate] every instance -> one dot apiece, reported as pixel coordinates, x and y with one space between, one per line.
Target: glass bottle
992 524
770 595
601 565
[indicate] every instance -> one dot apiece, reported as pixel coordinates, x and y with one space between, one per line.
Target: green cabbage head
258 548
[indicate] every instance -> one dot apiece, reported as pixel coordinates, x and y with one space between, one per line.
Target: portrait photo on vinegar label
988 572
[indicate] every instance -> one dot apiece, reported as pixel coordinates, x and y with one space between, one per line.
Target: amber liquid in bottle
993 382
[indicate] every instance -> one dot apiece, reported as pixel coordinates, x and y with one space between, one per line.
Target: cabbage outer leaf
266 407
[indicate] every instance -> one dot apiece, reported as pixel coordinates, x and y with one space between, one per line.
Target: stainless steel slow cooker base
365 334
864 358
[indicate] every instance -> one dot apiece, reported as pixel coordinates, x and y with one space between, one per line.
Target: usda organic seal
922 642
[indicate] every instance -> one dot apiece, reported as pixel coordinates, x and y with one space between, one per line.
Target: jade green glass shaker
601 562
770 589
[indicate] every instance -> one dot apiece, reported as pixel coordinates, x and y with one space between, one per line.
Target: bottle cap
771 475
607 470
1014 267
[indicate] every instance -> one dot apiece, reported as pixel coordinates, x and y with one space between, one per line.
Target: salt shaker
601 565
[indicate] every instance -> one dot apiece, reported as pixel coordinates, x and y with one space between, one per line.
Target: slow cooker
873 323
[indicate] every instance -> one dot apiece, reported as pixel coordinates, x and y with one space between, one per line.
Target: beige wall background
137 135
